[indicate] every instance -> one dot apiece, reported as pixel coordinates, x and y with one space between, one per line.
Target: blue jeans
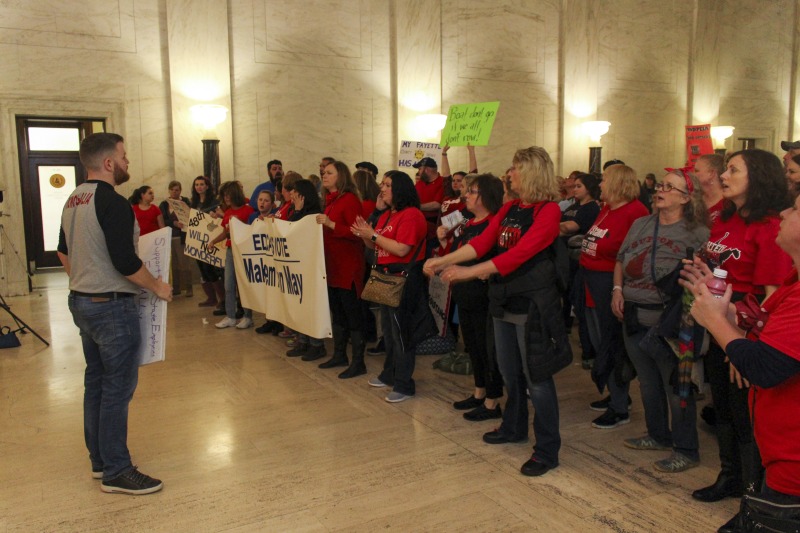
657 372
110 336
512 360
230 287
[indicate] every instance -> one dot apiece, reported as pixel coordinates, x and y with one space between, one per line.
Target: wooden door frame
23 122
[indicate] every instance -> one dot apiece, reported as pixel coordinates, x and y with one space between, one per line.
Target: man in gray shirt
97 246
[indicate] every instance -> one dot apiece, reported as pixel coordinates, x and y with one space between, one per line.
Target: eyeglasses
473 190
667 187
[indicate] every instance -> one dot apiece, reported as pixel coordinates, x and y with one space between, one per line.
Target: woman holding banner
344 266
305 202
399 240
236 205
204 200
525 304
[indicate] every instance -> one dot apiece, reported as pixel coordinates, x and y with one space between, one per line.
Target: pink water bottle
717 285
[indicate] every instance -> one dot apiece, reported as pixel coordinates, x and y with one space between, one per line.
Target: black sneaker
378 349
534 468
481 413
469 403
132 482
602 405
266 327
610 419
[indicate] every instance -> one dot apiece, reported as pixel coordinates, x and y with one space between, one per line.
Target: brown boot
211 296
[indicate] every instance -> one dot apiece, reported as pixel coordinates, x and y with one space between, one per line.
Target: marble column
199 69
418 62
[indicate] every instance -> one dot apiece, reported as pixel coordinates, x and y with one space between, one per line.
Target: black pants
345 308
479 342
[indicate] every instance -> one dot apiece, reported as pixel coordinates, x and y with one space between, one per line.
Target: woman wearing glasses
484 199
651 252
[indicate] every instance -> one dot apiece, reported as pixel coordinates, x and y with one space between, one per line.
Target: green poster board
469 124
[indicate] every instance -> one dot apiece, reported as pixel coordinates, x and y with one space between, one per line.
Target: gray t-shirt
635 254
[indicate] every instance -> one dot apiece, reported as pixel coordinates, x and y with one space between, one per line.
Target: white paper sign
202 229
154 251
413 151
452 220
181 211
280 271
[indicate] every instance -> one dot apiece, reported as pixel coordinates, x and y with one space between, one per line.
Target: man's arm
143 278
64 261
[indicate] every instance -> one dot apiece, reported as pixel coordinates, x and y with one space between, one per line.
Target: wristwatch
374 237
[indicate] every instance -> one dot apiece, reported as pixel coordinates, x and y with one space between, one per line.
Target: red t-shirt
147 219
776 410
407 226
715 211
430 192
604 239
285 211
508 232
367 207
748 252
450 205
344 252
242 213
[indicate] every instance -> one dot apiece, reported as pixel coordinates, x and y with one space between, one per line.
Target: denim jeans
657 372
110 336
511 358
230 287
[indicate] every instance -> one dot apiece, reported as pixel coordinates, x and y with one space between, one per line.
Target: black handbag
8 338
758 514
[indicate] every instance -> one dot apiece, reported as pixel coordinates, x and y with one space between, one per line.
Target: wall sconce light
429 125
595 129
210 116
720 134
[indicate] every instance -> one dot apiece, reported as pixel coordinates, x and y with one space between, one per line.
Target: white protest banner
154 251
202 229
280 271
181 211
439 302
413 151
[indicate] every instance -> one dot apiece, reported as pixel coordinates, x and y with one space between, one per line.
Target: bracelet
374 237
616 288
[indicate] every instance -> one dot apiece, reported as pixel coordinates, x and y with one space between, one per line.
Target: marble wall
348 78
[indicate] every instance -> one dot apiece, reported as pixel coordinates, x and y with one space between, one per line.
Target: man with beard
275 173
97 246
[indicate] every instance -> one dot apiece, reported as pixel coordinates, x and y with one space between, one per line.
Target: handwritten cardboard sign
154 251
202 229
469 124
181 211
413 151
698 142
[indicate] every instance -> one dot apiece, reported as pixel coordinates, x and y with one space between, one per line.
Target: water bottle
717 285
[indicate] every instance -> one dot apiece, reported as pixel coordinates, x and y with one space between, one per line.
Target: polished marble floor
246 439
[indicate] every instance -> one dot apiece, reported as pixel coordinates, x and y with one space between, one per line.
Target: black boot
731 526
729 481
357 366
339 348
314 352
752 469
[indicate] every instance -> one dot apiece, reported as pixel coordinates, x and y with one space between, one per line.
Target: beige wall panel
313 33
310 80
89 24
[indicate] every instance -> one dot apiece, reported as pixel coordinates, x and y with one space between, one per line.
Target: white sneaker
226 323
245 323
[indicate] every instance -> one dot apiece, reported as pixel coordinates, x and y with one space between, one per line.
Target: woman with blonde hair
524 302
594 284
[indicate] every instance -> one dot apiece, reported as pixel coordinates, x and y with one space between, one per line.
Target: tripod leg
25 326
